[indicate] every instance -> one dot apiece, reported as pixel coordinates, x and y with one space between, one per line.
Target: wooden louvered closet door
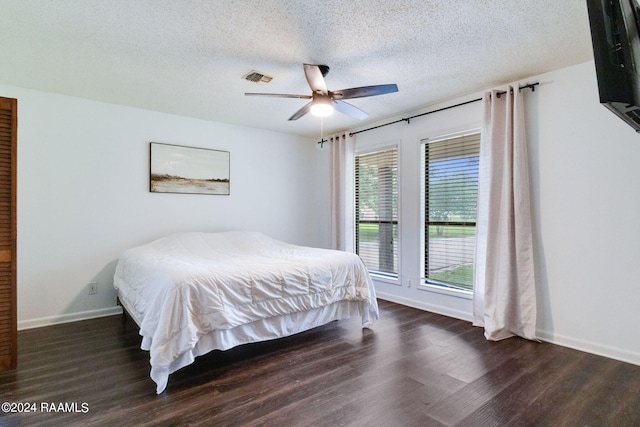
8 157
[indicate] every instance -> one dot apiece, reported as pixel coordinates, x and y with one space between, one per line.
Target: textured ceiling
187 57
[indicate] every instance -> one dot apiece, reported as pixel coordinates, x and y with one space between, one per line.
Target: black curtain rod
408 119
531 86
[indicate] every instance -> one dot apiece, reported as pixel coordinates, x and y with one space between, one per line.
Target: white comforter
185 286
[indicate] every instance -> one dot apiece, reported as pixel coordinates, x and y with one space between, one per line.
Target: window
450 199
377 210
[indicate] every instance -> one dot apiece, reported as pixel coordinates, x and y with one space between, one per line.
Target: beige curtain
341 167
504 281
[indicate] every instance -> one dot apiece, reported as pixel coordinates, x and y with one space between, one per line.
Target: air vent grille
257 77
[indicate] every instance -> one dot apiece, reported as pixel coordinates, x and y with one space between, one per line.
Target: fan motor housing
324 69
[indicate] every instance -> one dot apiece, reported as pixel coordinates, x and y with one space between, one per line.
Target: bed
191 293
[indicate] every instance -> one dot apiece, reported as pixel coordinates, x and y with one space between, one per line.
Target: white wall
585 177
83 198
83 195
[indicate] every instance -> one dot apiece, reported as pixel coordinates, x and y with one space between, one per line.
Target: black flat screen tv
616 50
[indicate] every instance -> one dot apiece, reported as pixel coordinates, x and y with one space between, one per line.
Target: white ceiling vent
257 77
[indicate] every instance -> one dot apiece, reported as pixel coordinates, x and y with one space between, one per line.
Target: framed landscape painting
178 169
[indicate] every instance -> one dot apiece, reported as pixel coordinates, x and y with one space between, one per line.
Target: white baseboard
557 339
66 318
553 338
445 311
589 347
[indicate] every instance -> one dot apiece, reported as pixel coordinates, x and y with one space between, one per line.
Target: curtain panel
342 172
504 281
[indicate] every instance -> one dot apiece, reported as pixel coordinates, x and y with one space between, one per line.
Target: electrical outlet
93 288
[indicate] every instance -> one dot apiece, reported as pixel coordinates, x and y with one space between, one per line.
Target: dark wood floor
412 368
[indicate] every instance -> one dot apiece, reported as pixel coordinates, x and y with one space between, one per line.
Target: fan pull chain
322 141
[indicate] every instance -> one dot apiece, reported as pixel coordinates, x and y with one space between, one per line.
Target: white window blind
377 210
450 201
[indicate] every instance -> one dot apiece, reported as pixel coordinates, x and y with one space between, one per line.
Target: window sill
386 278
458 293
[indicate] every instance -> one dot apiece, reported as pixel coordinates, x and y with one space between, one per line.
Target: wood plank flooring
412 368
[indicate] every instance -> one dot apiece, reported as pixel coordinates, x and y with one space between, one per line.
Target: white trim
438 309
422 142
589 347
378 147
66 318
444 290
383 278
400 217
452 135
550 337
388 146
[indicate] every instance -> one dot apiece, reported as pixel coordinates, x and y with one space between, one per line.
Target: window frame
370 150
429 283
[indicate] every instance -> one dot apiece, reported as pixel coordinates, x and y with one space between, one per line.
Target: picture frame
188 170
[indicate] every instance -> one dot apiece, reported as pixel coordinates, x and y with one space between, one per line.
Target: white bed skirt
261 330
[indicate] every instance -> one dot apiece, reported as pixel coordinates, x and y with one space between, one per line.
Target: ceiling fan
324 101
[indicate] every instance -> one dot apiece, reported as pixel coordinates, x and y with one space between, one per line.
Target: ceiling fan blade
279 95
349 110
301 112
361 92
315 79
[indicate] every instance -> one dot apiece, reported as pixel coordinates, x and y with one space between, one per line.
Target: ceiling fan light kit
324 101
321 107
